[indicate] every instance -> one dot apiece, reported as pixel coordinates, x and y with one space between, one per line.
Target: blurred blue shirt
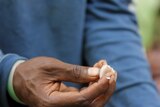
78 32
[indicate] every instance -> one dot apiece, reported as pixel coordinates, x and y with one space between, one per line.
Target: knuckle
76 72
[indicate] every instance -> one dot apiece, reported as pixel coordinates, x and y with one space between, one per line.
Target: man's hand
38 83
101 100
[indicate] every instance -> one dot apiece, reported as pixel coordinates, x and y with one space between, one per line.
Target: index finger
83 98
96 89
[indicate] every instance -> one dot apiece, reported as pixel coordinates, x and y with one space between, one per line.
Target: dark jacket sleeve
111 33
6 63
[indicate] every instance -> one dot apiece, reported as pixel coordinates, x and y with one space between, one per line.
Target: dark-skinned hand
38 82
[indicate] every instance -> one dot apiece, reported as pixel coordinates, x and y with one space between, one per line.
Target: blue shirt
78 32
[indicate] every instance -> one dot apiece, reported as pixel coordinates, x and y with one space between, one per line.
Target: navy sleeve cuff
6 63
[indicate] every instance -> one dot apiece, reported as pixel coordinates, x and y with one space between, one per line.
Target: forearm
112 33
136 95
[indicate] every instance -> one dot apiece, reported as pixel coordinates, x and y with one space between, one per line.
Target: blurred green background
148 13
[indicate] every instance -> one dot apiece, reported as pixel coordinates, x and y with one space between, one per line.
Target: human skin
104 98
38 82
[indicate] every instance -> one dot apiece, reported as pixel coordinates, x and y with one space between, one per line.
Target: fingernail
93 71
108 78
103 70
111 69
108 75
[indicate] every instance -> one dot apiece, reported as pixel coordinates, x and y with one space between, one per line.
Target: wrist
10 87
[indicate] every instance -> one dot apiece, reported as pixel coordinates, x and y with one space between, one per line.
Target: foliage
147 11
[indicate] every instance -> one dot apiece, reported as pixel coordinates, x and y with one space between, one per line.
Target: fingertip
93 71
103 70
104 62
100 63
96 65
104 80
112 79
108 77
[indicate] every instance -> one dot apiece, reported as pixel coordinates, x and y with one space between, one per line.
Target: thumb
80 74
